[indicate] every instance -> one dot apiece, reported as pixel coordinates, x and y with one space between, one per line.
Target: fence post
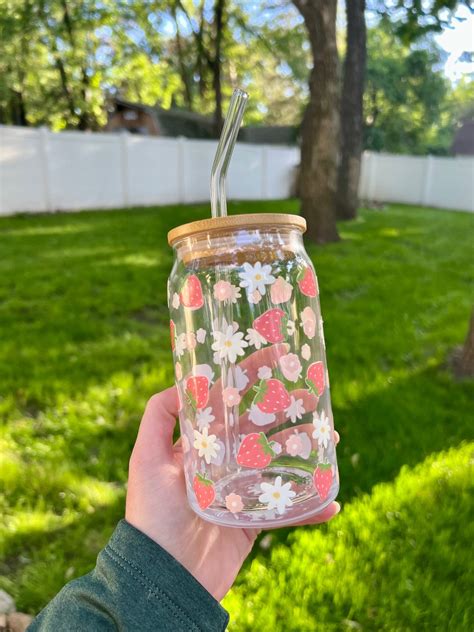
124 168
44 160
428 178
181 168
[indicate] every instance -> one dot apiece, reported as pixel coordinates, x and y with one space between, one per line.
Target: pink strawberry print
204 490
272 325
255 451
307 282
315 378
271 396
197 391
191 294
172 334
322 479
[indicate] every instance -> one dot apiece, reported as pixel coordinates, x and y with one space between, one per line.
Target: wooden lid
254 220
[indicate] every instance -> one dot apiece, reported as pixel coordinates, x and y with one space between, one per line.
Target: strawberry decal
271 325
191 294
322 479
315 378
204 490
197 391
307 282
255 451
172 334
271 397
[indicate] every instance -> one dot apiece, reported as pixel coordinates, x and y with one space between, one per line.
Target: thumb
155 434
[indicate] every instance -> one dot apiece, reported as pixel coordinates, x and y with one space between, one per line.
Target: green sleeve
136 585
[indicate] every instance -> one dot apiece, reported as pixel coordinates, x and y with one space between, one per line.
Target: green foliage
405 102
398 560
85 341
59 60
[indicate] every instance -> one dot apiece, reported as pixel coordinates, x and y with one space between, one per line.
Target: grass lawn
84 343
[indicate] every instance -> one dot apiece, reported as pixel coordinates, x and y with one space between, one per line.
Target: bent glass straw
224 151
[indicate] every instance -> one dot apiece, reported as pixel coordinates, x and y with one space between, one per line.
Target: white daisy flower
264 373
206 445
234 293
175 302
322 429
180 345
229 344
204 418
254 338
295 410
256 277
201 335
277 496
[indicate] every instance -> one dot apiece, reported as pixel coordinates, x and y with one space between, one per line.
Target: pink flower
223 290
264 372
231 397
190 338
255 297
280 291
306 352
178 370
291 367
308 322
234 503
294 445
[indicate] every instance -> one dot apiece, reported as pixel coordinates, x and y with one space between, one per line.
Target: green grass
394 560
84 342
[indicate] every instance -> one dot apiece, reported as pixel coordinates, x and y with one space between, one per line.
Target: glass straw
224 151
224 314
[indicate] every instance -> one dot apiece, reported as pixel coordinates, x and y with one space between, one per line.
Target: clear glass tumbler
250 366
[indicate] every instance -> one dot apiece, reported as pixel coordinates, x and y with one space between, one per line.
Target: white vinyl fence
45 171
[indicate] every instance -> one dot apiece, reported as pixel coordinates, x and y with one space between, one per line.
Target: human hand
157 502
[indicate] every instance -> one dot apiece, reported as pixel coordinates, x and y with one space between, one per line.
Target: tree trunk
320 128
466 360
84 120
216 66
351 110
18 109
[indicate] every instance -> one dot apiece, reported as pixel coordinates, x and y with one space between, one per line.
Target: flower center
228 343
276 495
258 277
204 444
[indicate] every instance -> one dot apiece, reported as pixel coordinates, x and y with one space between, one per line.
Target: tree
405 108
320 128
352 111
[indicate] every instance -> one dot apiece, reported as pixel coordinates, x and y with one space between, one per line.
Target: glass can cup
250 367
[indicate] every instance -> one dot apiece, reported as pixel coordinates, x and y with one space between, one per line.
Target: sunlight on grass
392 560
84 326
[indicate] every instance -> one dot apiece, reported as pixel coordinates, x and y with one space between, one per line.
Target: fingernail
338 508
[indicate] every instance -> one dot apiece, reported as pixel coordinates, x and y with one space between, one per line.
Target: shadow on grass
396 426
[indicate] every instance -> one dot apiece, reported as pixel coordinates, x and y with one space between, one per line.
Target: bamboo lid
221 224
